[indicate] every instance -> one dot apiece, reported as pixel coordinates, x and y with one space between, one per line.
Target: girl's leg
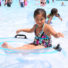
5 45
28 46
39 47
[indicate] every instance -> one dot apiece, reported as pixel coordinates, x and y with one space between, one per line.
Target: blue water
14 18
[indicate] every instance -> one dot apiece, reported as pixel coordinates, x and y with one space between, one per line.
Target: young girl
54 12
42 31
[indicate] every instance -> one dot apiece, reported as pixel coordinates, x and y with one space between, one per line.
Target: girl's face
40 20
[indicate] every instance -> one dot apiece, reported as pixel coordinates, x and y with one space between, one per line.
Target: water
15 18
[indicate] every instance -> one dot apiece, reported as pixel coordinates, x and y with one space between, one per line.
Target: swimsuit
42 39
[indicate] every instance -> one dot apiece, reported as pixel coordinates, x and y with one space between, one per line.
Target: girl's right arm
26 30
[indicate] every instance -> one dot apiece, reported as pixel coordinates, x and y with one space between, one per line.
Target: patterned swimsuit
42 39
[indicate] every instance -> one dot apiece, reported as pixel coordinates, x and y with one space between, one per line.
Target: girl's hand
61 19
60 35
17 31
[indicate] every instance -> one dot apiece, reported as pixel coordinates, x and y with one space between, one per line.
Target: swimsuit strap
41 32
35 28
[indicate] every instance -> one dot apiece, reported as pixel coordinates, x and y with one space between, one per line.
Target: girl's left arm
53 32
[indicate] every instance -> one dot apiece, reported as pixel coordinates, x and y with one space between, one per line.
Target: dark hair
54 11
40 11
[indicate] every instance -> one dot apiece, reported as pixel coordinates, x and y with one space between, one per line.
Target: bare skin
29 46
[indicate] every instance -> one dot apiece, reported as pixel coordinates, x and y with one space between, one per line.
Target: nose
39 21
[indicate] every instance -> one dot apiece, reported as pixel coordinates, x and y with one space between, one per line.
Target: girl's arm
60 18
49 20
26 30
58 15
53 32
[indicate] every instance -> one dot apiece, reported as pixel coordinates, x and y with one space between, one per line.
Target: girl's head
40 16
54 11
40 11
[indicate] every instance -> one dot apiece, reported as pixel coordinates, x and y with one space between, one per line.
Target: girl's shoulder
47 26
49 16
35 25
46 29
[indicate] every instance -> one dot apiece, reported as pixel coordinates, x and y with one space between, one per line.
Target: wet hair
40 11
53 11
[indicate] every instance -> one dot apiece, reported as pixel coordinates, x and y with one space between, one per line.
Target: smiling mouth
40 25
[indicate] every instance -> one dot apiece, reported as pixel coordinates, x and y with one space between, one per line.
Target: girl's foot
5 45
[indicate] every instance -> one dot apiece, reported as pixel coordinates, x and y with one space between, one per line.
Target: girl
54 12
42 31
